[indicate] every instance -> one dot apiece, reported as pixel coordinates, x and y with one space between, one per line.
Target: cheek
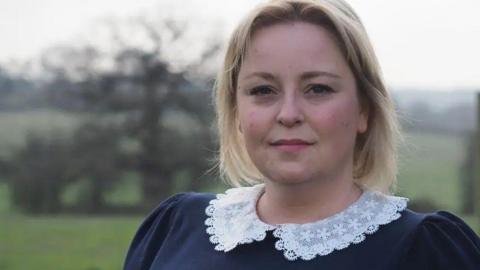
252 120
247 120
251 124
336 118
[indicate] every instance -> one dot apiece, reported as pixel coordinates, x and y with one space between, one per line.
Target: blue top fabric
174 236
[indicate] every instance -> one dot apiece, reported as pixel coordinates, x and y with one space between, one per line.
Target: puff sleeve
443 241
151 234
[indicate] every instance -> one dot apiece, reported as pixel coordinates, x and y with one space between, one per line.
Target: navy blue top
173 236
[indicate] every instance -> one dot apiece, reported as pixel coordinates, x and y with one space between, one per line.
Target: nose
290 113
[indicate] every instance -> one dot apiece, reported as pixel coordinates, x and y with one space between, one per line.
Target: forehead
292 28
291 44
290 32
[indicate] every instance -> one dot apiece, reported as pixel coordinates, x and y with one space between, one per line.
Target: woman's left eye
319 89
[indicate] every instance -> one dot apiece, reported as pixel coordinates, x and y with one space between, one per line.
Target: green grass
4 200
473 222
62 242
430 168
69 243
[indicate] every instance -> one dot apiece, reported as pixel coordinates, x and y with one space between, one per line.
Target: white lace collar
232 220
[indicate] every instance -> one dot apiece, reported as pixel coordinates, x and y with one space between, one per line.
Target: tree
42 169
97 157
142 97
467 174
144 88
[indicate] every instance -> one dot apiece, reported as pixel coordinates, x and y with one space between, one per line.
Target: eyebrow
313 74
305 76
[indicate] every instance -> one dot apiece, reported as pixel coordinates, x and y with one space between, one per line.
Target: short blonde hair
375 163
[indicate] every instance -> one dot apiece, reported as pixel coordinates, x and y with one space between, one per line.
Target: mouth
291 145
291 142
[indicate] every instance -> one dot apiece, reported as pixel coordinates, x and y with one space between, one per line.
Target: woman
307 135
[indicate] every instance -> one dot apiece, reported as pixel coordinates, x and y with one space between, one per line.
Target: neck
305 202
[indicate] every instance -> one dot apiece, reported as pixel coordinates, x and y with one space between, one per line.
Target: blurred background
105 110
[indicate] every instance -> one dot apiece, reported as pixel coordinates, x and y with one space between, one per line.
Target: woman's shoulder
178 209
445 226
184 200
177 206
440 240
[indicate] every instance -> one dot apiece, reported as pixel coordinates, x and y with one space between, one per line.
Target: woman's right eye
261 91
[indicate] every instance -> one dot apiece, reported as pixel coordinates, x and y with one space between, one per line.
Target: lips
291 145
291 142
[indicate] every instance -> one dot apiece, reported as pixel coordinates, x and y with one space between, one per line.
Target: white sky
420 43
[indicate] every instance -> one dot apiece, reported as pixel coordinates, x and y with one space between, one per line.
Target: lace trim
232 220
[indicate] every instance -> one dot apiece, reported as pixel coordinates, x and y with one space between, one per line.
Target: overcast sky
420 44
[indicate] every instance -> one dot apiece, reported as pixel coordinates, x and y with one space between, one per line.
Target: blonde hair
375 163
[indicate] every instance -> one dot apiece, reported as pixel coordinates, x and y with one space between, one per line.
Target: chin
289 177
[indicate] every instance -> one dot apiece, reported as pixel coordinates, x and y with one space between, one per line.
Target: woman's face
297 104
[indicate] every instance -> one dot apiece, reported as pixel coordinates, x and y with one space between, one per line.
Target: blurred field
60 242
430 168
65 242
15 126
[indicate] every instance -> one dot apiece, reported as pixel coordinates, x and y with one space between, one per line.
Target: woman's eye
319 89
261 91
